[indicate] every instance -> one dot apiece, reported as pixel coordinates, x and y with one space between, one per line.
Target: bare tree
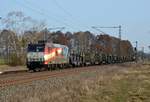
16 21
16 24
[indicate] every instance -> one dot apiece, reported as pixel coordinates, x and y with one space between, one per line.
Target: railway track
30 77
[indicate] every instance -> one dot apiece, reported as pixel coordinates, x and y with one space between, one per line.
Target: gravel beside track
26 77
31 84
14 78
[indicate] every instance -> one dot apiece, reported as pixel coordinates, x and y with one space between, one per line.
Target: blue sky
80 15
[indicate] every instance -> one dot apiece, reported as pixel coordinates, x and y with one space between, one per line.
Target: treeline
13 47
20 30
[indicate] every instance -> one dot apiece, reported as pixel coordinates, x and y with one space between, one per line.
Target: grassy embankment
118 83
6 67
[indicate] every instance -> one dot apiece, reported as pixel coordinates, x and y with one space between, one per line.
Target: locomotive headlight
29 59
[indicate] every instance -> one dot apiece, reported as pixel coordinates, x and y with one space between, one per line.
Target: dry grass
117 83
10 68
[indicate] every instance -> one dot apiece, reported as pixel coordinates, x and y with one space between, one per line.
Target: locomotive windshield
35 48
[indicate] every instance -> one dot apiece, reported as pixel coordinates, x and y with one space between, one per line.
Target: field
128 82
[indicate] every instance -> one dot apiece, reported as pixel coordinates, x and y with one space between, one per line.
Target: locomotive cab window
40 49
35 48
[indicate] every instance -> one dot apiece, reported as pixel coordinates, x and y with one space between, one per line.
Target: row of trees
21 30
13 47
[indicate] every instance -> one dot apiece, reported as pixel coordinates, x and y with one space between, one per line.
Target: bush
16 59
2 61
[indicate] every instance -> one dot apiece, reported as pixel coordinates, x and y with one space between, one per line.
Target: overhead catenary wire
68 13
54 19
43 14
118 27
93 27
41 9
62 8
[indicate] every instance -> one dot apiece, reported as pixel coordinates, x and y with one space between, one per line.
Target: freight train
47 55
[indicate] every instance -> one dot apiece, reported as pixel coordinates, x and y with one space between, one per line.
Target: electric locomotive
46 55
